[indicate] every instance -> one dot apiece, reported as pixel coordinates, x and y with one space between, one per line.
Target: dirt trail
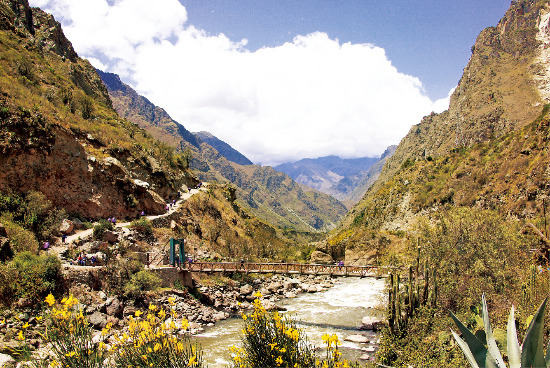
85 233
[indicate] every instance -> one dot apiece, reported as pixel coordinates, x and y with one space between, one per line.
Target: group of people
82 260
112 220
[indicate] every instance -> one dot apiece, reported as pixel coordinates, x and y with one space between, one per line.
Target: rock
78 224
369 349
274 286
102 295
5 360
371 323
289 284
365 357
246 289
319 257
270 306
110 236
115 308
98 320
357 338
24 303
66 227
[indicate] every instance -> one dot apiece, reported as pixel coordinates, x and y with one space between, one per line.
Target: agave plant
481 354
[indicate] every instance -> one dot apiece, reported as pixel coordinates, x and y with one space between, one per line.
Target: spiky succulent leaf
475 347
491 343
466 349
532 349
548 355
514 351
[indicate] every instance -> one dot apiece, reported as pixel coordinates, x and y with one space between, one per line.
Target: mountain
224 149
487 150
263 191
345 179
66 153
59 134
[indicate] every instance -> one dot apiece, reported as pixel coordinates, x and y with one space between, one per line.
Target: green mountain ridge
266 193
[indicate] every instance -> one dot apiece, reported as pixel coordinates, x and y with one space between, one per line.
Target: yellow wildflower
162 314
50 300
20 336
26 325
192 361
152 307
138 313
257 294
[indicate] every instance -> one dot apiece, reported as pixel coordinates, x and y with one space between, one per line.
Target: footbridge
288 268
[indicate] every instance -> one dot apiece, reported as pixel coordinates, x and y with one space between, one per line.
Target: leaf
491 343
532 349
466 350
514 351
475 347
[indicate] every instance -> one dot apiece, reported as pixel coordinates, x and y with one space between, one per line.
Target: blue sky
425 38
283 80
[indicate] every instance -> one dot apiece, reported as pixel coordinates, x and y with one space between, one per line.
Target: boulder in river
357 338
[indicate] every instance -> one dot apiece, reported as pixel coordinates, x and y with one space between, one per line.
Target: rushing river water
339 310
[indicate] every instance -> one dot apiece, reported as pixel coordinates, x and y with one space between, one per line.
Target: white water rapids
338 310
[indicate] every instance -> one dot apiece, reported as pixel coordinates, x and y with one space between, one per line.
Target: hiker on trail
114 220
63 238
93 260
167 208
142 213
46 245
79 260
189 262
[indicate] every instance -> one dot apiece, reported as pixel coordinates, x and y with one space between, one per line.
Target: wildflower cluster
152 341
69 335
269 340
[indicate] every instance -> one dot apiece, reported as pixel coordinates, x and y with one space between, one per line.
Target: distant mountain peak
223 148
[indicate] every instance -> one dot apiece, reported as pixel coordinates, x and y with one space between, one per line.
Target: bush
30 276
141 281
21 239
143 226
272 341
149 342
100 228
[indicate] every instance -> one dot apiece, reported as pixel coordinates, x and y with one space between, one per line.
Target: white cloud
443 103
306 98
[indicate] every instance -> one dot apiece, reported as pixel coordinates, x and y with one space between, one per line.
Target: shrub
100 228
270 340
21 239
141 281
149 342
30 276
143 226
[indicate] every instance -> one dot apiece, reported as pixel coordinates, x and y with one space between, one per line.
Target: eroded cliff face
37 155
59 134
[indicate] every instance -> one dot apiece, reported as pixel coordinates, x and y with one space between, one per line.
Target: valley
457 210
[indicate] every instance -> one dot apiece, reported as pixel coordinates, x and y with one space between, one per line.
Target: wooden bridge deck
289 268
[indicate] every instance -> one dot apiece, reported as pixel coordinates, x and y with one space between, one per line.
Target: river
339 310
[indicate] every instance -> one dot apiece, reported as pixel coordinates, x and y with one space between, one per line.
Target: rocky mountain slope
59 134
266 193
223 148
488 151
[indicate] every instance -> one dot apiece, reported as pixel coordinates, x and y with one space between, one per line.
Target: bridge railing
288 268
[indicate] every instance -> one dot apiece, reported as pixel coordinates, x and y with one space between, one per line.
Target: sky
282 80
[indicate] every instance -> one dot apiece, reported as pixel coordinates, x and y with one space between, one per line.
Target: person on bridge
177 261
340 264
242 263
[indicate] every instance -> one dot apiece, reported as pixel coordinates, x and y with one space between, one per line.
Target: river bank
215 299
